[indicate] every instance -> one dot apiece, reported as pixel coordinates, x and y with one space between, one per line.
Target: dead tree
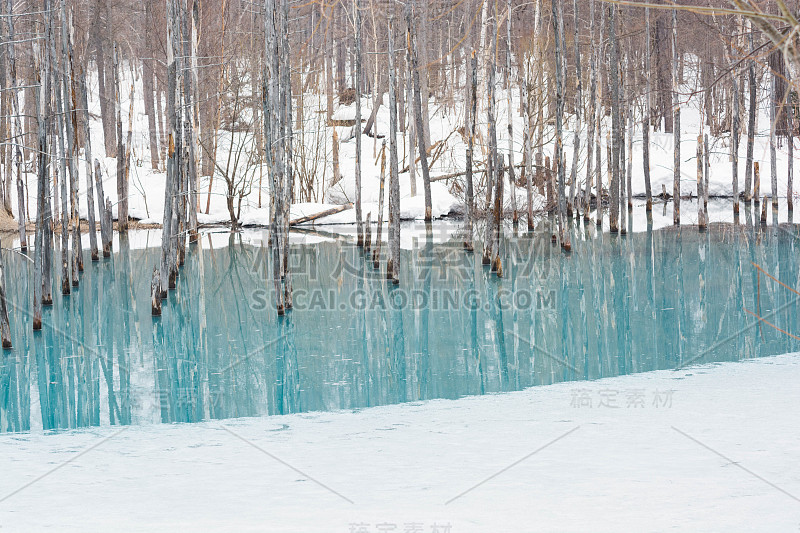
166 276
512 180
5 326
104 205
615 119
16 125
676 126
359 228
491 164
122 184
87 152
734 141
578 106
471 112
376 252
773 159
751 120
393 264
790 140
701 221
590 132
57 85
646 120
419 123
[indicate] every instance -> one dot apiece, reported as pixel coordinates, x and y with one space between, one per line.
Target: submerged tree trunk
87 153
376 252
5 327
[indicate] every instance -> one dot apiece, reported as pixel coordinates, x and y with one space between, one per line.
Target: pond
656 299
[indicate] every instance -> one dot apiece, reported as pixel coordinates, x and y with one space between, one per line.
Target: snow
712 448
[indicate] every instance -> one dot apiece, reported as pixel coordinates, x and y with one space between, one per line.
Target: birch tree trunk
558 26
790 140
615 120
418 119
592 108
701 221
735 142
173 169
87 153
491 164
676 126
527 139
5 327
376 252
773 163
70 103
471 112
392 266
576 143
16 126
751 124
646 120
512 180
57 74
147 81
122 185
359 228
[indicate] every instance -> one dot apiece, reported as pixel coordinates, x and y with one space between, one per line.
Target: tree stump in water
155 292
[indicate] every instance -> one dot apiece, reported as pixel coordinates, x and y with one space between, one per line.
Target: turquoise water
615 305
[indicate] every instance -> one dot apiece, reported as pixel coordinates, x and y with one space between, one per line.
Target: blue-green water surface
616 305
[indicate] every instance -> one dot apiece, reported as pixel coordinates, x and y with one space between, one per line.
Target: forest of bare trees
578 74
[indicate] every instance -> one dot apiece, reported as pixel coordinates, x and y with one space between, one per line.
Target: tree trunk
590 132
393 266
359 228
576 143
647 110
751 124
147 81
773 162
471 112
512 180
418 119
676 126
376 252
107 112
735 142
615 120
16 125
122 186
87 148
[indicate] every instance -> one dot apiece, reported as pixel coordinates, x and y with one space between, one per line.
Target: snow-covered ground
711 448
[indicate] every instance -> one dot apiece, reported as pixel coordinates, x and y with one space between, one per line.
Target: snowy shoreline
706 448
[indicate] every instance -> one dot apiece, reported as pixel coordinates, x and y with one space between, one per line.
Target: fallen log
323 214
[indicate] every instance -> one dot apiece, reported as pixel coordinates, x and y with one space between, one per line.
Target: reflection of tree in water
658 299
